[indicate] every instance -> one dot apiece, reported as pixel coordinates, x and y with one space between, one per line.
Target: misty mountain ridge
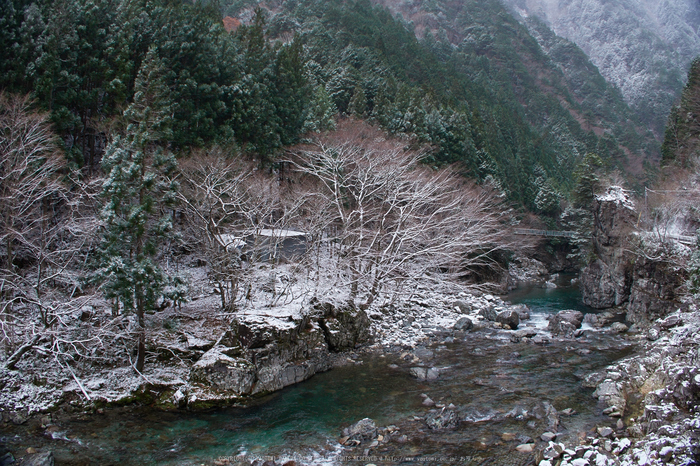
643 47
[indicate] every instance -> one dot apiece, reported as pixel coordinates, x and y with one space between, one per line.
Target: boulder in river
463 323
509 317
422 373
619 327
522 310
441 420
565 323
423 353
364 429
488 313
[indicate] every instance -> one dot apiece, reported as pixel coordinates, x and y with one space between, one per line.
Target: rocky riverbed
472 362
649 400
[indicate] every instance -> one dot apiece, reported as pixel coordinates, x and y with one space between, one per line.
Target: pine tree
321 111
587 178
135 189
358 103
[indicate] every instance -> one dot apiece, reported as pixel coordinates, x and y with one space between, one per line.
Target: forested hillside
477 88
682 139
204 202
643 47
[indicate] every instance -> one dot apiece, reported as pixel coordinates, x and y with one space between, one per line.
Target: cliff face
644 47
262 354
606 281
631 268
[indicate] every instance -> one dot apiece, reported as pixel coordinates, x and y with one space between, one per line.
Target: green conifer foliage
588 184
135 190
682 137
358 103
547 198
321 111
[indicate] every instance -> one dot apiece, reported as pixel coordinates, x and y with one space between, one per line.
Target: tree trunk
17 355
141 354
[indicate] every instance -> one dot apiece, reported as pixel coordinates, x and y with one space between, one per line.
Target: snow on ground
617 194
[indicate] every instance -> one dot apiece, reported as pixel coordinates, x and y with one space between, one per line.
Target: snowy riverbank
266 350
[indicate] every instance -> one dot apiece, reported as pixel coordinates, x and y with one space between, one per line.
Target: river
500 390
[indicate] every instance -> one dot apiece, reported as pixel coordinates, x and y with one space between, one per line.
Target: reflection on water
498 387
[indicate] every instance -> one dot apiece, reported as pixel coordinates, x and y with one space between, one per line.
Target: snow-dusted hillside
642 46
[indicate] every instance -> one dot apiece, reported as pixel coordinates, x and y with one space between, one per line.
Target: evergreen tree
135 190
291 91
358 103
547 197
588 184
682 136
321 111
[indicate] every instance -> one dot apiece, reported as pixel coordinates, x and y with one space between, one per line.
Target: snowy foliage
642 47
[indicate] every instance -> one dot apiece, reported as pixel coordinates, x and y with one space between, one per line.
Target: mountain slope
556 67
516 105
525 125
644 47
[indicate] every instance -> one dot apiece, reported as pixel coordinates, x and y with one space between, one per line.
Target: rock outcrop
565 323
654 290
606 281
645 283
509 317
261 354
662 383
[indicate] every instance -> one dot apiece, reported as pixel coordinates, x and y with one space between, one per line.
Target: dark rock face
647 287
509 317
654 291
344 327
6 458
604 286
259 354
39 459
606 281
565 323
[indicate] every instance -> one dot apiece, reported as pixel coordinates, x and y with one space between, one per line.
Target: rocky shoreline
651 398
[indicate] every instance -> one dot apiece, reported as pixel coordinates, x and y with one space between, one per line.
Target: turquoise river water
499 387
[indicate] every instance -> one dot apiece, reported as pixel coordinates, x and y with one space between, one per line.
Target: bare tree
29 196
391 218
42 236
29 163
213 192
239 214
